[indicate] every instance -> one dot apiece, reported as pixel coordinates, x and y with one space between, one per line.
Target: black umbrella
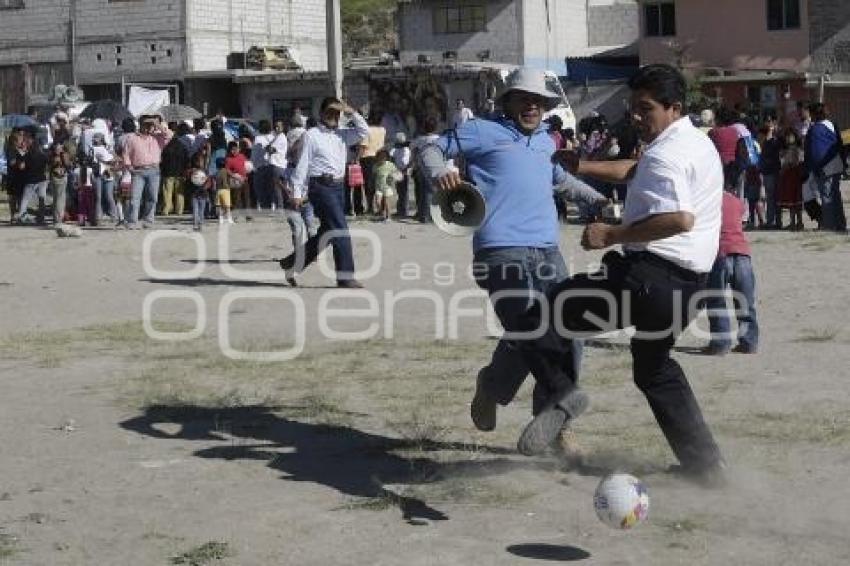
106 110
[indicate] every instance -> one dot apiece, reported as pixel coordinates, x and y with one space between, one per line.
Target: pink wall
731 34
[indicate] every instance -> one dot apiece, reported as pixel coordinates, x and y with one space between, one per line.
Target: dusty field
116 449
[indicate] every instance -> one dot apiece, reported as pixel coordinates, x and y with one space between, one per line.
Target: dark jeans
424 195
401 205
264 186
511 275
733 271
654 296
832 208
328 203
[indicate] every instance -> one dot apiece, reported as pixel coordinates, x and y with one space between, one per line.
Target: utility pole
334 25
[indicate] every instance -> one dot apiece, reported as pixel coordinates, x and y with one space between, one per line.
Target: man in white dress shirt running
319 176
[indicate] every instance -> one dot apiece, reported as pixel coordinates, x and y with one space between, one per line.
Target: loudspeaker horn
459 212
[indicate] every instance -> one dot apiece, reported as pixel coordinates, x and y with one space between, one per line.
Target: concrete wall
138 39
548 41
502 37
37 34
219 27
739 42
613 22
830 35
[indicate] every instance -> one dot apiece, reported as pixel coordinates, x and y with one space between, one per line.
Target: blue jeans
832 208
424 195
199 205
301 223
145 183
328 200
104 191
734 271
520 271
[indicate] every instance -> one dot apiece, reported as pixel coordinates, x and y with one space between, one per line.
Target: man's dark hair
199 124
327 101
665 84
430 125
128 125
724 116
265 127
183 129
232 145
818 111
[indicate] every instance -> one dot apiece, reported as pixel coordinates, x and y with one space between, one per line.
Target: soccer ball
621 501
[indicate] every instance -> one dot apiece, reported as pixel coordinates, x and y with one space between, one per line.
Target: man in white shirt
320 175
670 235
462 114
268 155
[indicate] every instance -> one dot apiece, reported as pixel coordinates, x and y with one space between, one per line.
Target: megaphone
458 212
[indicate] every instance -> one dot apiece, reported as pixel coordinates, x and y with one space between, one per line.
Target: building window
660 18
460 19
118 62
783 14
11 4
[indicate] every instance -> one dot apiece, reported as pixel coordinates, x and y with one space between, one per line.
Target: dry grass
812 426
204 554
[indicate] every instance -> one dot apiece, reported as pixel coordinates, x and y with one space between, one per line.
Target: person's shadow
348 460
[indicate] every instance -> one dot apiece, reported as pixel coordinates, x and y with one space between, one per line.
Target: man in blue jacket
825 165
516 255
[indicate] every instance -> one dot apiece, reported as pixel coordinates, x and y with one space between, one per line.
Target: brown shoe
349 284
566 448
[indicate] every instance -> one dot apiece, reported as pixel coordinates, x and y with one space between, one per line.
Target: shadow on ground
553 552
351 461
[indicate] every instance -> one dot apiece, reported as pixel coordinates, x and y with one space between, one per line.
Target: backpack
748 152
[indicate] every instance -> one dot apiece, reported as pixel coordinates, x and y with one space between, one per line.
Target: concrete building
764 54
94 43
537 33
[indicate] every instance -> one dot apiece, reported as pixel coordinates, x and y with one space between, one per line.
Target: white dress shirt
680 171
401 157
325 151
261 157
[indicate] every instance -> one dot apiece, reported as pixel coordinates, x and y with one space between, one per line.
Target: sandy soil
118 449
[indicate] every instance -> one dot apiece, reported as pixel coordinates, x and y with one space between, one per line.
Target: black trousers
655 296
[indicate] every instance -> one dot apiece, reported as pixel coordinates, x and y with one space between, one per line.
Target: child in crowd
85 195
199 184
400 154
790 191
222 196
236 167
385 175
732 269
754 190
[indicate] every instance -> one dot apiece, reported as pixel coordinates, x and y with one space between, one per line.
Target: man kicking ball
669 236
516 256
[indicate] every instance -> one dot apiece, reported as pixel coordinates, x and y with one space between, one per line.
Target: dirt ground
118 449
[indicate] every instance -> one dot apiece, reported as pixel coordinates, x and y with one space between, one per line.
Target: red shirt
725 139
236 164
732 239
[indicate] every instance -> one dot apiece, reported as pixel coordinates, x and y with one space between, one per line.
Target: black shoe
545 426
742 349
349 284
714 351
483 408
291 281
712 476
